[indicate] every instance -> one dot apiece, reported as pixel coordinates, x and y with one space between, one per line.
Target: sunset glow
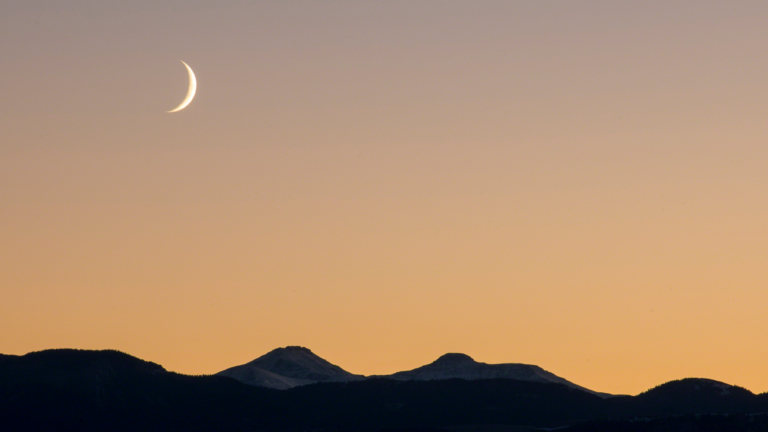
580 186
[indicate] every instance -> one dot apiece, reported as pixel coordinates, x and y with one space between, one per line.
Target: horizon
578 186
384 375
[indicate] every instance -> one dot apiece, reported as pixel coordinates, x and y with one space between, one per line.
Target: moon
190 92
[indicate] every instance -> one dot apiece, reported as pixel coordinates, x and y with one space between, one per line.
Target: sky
579 185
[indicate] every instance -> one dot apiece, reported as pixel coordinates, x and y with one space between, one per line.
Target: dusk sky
579 185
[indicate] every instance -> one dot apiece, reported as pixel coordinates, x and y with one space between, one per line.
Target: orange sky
576 185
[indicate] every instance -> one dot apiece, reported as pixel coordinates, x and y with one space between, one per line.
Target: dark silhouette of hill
386 403
62 390
109 390
696 395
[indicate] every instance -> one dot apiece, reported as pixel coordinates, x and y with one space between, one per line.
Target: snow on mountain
293 366
288 367
462 366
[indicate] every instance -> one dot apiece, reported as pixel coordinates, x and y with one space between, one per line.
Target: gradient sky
579 185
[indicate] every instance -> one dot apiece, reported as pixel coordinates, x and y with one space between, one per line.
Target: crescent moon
190 92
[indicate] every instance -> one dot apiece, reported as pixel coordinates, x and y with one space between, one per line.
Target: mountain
78 390
293 366
454 365
288 367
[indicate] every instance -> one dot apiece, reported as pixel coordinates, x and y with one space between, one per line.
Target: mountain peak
295 348
454 359
288 367
290 351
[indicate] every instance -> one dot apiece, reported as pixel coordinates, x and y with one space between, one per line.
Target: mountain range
293 366
62 390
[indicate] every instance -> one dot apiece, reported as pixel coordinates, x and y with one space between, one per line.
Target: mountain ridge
109 390
293 366
462 366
